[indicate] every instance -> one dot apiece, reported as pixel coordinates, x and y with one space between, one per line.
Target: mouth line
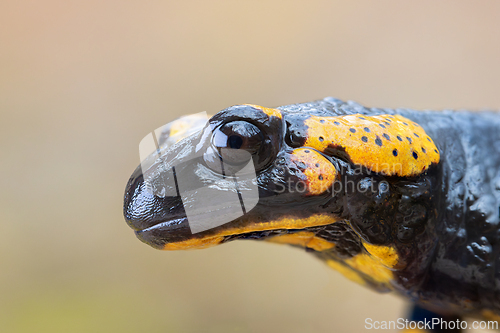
169 223
263 234
247 235
252 231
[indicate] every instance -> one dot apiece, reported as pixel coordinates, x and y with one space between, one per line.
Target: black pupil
234 142
238 136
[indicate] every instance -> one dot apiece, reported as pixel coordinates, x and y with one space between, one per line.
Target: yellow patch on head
319 171
187 125
269 111
388 144
304 239
179 127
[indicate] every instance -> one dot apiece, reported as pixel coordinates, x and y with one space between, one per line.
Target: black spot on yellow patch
319 171
367 143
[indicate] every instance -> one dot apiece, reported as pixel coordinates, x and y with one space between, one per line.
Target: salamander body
395 199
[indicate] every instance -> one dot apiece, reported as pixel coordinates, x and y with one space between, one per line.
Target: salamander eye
234 143
238 135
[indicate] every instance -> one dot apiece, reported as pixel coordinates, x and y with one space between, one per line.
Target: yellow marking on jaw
269 111
304 239
363 263
490 315
376 261
319 171
194 243
388 144
387 255
377 265
371 267
283 223
346 272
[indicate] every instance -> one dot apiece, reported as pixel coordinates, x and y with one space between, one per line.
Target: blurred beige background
81 82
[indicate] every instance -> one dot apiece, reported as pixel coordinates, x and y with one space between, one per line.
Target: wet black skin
443 223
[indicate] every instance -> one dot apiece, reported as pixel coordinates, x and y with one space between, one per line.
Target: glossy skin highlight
421 218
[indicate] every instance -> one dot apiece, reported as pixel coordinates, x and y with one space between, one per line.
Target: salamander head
332 185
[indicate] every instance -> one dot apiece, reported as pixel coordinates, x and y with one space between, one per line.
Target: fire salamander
394 199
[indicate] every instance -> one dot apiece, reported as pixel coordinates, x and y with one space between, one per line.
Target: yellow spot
392 145
387 255
319 171
179 127
371 267
303 239
187 125
269 111
346 272
220 232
